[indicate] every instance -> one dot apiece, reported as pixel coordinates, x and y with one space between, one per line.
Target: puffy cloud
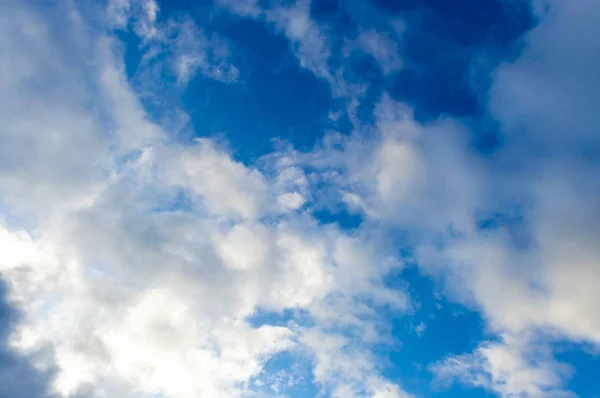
539 273
536 272
228 187
558 182
509 367
139 260
403 173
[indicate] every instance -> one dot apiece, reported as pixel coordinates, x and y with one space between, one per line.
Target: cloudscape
299 198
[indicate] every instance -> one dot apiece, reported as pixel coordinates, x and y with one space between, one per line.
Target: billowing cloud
530 276
140 262
548 281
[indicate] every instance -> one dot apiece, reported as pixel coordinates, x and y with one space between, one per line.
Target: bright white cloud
547 105
139 260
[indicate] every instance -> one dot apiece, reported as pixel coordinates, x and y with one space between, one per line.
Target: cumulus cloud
538 272
140 260
558 182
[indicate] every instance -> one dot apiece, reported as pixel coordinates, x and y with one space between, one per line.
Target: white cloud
547 105
347 367
508 368
307 39
142 14
139 260
382 48
228 187
546 280
319 47
195 52
425 181
176 46
402 173
420 328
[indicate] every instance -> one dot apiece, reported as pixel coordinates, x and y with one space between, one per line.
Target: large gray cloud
19 378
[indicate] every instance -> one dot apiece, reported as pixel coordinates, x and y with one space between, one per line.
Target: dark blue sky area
448 50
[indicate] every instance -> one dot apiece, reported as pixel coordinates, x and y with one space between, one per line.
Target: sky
299 199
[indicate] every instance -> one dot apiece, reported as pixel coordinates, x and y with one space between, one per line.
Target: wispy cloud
509 368
382 48
177 47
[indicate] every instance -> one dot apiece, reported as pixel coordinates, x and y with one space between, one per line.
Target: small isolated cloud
382 48
420 328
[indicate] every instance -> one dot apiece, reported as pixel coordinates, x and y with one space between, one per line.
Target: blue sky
269 199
